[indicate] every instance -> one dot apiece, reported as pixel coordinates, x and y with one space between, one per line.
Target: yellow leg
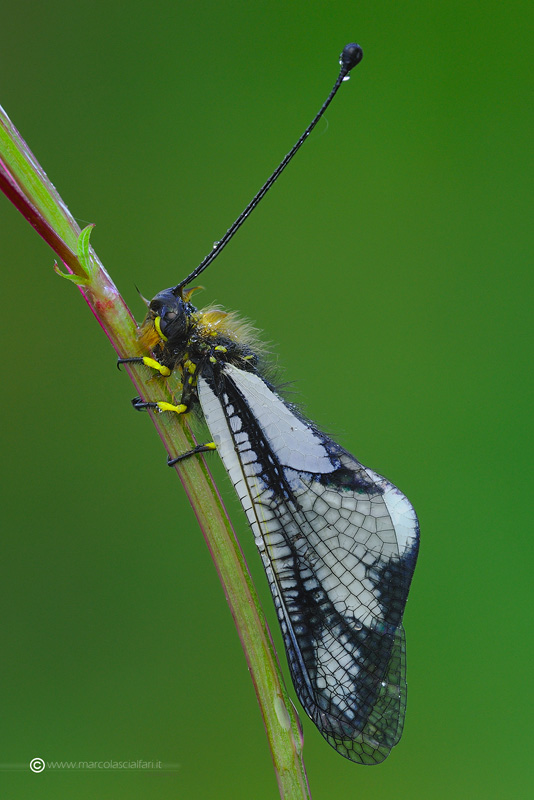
140 405
148 362
200 448
179 409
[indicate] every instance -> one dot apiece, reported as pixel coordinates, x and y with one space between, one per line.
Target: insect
338 541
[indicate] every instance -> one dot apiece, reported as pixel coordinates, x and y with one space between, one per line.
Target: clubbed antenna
352 54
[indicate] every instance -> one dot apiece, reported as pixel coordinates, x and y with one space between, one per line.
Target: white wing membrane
339 544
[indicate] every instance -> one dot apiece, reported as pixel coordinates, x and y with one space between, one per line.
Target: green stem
27 186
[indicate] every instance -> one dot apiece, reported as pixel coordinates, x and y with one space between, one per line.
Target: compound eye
165 318
159 325
155 306
166 313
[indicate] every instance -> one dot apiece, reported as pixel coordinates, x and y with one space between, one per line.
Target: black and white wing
339 545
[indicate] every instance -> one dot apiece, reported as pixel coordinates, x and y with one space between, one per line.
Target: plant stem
27 186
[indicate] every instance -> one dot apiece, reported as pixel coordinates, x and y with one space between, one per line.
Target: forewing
339 545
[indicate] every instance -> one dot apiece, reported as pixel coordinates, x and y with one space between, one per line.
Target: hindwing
338 543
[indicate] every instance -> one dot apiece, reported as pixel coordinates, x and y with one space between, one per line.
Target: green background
390 267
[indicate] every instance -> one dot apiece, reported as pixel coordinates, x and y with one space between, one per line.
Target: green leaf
85 256
77 279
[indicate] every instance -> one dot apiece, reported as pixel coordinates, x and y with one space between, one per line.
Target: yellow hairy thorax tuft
214 321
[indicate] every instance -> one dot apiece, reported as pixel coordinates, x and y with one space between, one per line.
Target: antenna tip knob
352 54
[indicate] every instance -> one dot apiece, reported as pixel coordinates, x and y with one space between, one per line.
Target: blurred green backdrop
392 254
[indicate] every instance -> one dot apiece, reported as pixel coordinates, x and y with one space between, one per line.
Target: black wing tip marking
367 741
